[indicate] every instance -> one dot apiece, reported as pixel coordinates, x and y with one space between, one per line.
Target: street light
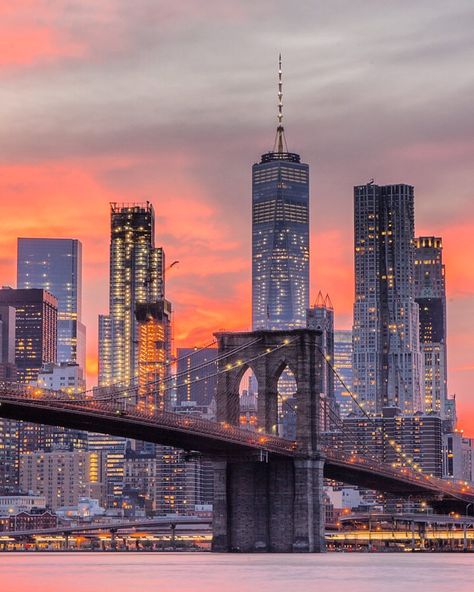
467 508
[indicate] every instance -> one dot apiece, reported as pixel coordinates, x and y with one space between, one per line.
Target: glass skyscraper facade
280 241
55 265
343 367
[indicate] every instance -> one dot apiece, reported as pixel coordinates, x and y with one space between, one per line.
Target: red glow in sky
125 102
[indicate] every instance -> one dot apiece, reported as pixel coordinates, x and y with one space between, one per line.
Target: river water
206 572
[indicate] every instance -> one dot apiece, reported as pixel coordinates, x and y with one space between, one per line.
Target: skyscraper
135 337
7 343
36 314
55 265
430 292
343 367
387 359
9 442
154 353
280 235
36 329
136 277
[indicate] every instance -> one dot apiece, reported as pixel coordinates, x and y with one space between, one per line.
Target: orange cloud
29 46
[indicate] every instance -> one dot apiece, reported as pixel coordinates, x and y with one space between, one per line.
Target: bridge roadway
220 440
152 523
417 518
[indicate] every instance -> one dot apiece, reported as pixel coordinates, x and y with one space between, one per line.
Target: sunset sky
173 102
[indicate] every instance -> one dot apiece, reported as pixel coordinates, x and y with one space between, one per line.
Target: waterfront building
387 361
430 293
280 236
55 265
34 521
14 503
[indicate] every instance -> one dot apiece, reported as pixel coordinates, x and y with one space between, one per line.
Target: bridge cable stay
134 385
440 484
221 371
336 421
211 362
407 462
166 364
235 433
173 386
121 385
229 367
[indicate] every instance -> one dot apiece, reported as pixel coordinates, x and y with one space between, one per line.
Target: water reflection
205 572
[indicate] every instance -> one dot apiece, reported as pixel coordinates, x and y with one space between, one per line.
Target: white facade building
67 377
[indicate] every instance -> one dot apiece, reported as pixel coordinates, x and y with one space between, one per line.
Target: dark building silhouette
196 376
430 292
36 329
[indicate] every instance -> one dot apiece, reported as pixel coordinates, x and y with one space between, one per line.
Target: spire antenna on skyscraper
280 139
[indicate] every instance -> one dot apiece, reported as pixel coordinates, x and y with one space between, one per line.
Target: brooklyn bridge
268 489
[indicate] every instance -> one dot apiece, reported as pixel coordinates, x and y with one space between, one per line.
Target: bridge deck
222 440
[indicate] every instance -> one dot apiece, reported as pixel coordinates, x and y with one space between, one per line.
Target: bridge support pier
273 506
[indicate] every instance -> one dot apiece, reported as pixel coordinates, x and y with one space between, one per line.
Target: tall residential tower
280 235
387 367
136 273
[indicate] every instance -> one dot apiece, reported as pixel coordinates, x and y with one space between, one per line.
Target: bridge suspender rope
133 385
403 457
115 397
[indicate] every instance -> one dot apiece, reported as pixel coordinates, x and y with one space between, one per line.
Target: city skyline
77 168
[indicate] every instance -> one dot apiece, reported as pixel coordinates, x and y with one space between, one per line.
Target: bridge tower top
268 354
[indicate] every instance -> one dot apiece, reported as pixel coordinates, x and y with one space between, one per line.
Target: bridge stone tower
272 504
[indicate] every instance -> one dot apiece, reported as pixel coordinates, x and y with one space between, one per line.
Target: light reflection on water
206 572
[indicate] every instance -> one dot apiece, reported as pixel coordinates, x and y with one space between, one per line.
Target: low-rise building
28 521
13 504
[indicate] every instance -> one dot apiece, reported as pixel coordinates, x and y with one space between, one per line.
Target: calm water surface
204 572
